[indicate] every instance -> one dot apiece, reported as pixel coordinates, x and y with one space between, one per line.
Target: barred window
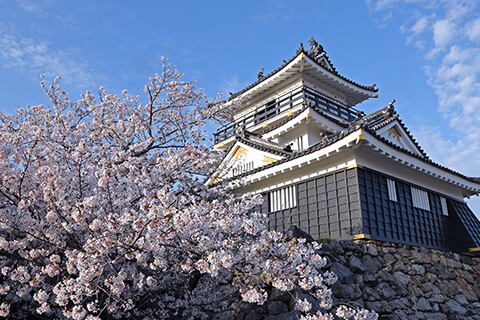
392 190
282 199
298 143
420 199
243 168
443 202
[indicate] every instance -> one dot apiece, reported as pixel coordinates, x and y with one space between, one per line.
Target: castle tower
333 171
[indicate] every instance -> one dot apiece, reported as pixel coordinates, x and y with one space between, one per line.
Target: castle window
298 143
282 199
242 168
443 202
420 199
392 190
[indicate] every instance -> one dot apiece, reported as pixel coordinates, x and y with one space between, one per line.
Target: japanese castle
336 172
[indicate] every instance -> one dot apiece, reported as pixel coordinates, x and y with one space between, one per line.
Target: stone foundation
396 281
405 282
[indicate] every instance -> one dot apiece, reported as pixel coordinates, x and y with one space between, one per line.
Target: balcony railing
283 103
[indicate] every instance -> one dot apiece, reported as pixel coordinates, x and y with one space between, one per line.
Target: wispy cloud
231 84
37 7
274 10
35 57
448 35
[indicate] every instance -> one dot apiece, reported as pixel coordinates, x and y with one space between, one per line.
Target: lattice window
282 199
392 190
420 199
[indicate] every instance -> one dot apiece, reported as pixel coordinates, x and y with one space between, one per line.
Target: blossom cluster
103 212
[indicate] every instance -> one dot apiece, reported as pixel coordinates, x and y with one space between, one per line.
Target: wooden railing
283 103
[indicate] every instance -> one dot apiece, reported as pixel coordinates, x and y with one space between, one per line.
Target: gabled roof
383 117
258 143
317 60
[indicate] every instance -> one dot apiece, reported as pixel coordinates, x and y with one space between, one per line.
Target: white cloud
35 57
443 32
274 10
452 65
232 84
472 29
420 26
459 155
36 7
379 5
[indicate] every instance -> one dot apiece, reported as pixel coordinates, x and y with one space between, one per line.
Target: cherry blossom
104 212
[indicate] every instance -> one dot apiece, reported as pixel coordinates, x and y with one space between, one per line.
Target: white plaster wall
338 161
397 170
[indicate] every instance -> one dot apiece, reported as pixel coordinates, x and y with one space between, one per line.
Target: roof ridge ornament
301 49
316 50
391 108
240 132
260 75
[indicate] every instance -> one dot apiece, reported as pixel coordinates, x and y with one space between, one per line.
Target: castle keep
334 171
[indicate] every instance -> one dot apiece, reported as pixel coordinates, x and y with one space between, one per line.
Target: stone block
292 315
371 265
356 264
277 307
418 269
423 305
372 249
343 273
279 295
352 247
370 294
369 278
460 298
386 276
443 272
385 291
453 307
226 315
453 264
401 278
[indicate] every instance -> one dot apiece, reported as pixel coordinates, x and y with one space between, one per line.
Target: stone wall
397 281
405 282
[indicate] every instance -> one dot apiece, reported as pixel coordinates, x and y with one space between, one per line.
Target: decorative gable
396 134
241 158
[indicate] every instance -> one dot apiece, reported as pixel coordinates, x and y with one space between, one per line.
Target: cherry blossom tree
104 214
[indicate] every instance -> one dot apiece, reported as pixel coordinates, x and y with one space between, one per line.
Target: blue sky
423 53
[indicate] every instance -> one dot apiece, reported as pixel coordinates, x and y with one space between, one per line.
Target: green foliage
324 240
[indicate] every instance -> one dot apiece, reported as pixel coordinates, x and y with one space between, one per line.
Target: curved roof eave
340 82
347 132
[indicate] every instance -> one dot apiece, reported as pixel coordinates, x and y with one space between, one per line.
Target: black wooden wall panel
327 206
401 222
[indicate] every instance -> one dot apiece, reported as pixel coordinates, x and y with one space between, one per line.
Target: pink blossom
104 207
4 309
